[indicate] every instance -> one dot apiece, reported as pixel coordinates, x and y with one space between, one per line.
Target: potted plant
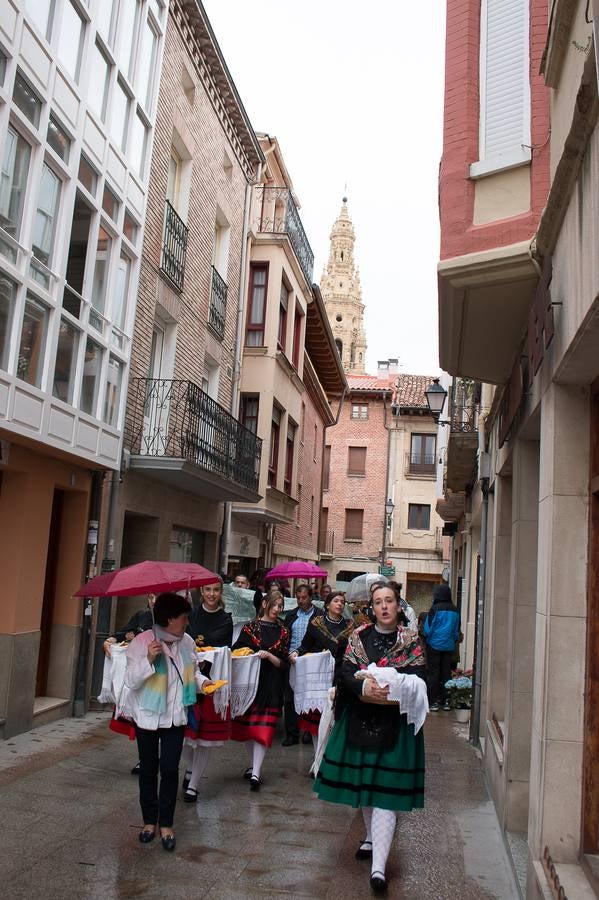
459 692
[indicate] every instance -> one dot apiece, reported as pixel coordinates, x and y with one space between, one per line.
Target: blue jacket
442 626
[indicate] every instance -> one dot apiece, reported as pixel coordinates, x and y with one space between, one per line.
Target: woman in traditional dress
161 681
210 626
256 727
327 632
373 758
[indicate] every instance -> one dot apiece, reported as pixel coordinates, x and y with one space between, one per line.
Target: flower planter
462 715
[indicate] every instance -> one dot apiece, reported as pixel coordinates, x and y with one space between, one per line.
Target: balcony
178 434
420 465
326 547
174 246
218 305
277 214
462 447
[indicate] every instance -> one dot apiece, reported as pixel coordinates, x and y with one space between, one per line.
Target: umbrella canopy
297 569
149 577
358 590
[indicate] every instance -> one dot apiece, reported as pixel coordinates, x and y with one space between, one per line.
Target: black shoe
186 780
146 836
289 741
135 769
190 795
254 783
306 738
248 773
378 883
169 842
364 852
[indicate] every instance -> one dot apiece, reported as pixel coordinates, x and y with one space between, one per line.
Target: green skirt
367 776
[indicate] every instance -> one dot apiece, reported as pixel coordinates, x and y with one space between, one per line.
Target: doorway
47 616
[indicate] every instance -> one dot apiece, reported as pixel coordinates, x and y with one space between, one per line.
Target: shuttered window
504 86
356 461
354 523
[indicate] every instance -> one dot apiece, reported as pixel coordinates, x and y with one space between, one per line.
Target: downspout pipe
479 633
95 502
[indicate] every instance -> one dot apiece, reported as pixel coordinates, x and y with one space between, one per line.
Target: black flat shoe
186 780
255 783
248 773
190 795
146 836
169 842
289 742
378 883
135 769
364 852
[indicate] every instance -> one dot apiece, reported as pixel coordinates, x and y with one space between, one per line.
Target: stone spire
342 294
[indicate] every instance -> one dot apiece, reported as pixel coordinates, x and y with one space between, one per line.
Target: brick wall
461 134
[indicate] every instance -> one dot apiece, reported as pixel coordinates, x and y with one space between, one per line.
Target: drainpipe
324 441
79 698
225 538
387 486
479 633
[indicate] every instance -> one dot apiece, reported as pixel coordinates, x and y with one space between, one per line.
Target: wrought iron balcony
174 246
464 405
218 304
462 447
177 433
277 214
327 544
421 464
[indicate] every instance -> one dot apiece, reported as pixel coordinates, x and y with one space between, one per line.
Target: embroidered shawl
406 651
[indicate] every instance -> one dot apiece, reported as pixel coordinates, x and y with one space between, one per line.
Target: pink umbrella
149 577
297 569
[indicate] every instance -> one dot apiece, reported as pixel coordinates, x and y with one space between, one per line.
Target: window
157 7
315 441
273 462
137 145
97 90
110 204
101 269
173 182
121 290
504 118
27 100
41 12
130 227
311 513
283 303
15 166
257 306
359 411
419 516
354 524
291 430
187 545
339 346
44 225
423 454
303 422
58 139
32 344
326 467
114 379
146 63
248 412
3 61
8 298
90 382
78 245
70 40
66 362
356 461
105 17
297 336
126 30
87 175
119 118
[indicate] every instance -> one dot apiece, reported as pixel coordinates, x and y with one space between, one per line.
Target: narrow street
70 819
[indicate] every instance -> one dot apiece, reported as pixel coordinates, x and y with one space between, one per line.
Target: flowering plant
459 689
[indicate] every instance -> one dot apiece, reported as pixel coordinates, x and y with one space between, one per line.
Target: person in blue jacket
441 633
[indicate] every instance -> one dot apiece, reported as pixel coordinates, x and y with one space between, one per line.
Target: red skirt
205 724
309 722
122 726
258 723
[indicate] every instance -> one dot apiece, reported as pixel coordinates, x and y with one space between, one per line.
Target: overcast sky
354 91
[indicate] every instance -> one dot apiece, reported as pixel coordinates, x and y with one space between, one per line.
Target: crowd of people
373 758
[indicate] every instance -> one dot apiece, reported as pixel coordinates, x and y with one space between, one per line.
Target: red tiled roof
408 390
370 382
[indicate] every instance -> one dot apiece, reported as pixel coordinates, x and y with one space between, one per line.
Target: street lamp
389 507
435 397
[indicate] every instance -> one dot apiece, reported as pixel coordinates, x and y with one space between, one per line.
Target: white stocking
258 754
187 756
367 816
201 758
383 829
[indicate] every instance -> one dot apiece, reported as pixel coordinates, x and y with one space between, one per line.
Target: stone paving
70 820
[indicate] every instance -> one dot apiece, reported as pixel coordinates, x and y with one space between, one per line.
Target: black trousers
159 749
291 720
439 671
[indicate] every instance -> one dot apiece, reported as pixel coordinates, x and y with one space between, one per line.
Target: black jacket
292 616
139 621
215 627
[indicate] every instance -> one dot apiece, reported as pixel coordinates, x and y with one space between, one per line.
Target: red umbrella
149 577
297 569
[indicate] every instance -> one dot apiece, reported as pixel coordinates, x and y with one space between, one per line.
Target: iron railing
277 214
464 405
174 246
421 464
218 304
327 543
438 541
176 419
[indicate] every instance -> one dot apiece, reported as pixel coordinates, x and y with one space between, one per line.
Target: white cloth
411 616
245 672
310 679
220 670
408 690
327 720
113 676
137 673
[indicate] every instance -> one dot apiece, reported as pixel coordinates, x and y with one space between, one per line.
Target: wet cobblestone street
70 814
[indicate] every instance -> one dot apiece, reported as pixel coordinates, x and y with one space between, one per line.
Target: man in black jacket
296 621
140 621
